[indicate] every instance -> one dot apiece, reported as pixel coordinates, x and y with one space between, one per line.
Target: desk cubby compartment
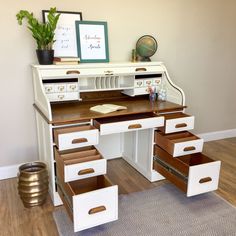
177 122
106 83
75 137
90 202
80 163
194 174
126 123
179 144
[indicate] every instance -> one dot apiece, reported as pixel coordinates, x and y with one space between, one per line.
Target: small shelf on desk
105 83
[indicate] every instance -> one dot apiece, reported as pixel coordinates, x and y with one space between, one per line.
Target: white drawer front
66 141
71 87
179 124
194 146
210 172
156 81
83 203
138 83
74 172
60 88
126 126
147 82
73 72
139 91
53 97
49 88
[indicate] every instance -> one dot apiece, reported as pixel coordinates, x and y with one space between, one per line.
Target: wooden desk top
79 111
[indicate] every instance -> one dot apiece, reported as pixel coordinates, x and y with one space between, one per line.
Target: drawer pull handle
79 140
141 69
86 171
205 180
135 126
96 210
108 72
182 125
191 148
61 96
69 72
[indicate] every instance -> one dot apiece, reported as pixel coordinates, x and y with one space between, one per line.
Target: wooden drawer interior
79 155
178 144
182 163
175 115
77 187
115 119
177 170
175 137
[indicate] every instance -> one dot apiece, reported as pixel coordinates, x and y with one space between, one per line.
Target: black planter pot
45 57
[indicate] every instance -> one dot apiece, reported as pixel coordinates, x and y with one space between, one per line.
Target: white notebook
107 108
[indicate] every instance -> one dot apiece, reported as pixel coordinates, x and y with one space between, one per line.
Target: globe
146 47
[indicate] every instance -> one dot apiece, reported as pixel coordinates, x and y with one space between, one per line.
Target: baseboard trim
7 172
211 136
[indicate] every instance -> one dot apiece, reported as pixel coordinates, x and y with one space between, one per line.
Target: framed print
65 33
92 41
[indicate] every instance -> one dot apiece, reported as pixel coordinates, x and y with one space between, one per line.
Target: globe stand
145 59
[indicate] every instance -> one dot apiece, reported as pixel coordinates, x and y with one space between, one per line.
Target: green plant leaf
43 33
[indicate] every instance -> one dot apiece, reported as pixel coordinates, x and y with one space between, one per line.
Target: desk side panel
45 153
40 98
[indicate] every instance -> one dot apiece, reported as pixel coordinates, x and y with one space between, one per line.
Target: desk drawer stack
178 157
87 193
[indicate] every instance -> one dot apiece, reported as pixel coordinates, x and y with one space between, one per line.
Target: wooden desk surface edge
74 116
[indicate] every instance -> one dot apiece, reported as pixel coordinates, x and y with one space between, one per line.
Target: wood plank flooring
224 150
38 221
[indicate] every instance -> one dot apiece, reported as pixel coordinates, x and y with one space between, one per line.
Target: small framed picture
92 41
65 33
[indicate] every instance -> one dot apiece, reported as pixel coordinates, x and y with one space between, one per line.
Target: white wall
196 42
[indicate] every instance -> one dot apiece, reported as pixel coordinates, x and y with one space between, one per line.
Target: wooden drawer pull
141 69
191 148
135 126
86 171
181 125
96 210
69 72
205 180
108 72
79 140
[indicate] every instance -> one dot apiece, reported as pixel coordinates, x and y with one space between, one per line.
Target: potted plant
43 33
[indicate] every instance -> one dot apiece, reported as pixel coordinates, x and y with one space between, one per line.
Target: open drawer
176 122
178 144
90 202
75 137
194 174
120 124
79 164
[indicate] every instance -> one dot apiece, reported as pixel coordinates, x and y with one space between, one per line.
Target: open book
107 108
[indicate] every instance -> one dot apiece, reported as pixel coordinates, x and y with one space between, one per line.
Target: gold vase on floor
33 183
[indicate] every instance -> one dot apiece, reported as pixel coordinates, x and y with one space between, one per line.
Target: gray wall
196 42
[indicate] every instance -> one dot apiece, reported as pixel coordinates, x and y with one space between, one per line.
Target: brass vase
33 183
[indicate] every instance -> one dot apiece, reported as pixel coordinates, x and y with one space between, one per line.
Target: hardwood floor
225 150
38 221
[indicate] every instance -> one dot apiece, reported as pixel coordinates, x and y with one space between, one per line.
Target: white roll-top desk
76 142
